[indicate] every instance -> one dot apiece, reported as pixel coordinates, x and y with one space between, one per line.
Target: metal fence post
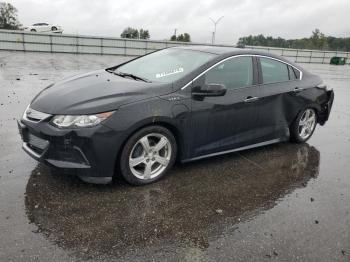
24 45
312 56
77 44
324 56
124 47
50 43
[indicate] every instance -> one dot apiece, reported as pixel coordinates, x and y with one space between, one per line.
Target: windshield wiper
118 73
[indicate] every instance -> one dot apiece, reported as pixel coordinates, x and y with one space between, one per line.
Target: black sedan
184 103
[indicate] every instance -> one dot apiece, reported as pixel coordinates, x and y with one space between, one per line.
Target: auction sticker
170 72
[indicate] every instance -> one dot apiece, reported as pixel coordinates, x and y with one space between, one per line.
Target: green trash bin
336 60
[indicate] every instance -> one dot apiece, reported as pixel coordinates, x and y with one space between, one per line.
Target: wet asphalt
284 202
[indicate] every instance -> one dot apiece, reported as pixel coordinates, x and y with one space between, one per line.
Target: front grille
34 115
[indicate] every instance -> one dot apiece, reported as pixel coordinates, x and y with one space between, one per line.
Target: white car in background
43 27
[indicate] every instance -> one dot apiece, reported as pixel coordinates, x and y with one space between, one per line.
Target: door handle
250 99
298 89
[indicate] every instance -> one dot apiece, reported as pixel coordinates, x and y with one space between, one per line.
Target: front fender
131 117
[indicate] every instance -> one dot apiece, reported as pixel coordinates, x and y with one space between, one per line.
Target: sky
284 18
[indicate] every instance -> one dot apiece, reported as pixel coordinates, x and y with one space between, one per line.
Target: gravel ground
285 202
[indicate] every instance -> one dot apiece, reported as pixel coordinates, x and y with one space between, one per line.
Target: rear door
278 81
226 122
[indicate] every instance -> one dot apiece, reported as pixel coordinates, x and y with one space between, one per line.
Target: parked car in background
43 27
183 103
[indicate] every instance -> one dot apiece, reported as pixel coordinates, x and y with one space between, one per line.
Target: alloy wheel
150 156
307 124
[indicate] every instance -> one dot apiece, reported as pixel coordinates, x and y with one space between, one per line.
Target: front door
221 123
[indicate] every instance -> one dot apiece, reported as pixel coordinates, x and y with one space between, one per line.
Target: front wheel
304 125
148 155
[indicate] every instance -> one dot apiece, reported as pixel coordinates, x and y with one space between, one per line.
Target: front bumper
88 152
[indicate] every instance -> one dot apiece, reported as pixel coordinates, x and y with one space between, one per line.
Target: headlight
71 121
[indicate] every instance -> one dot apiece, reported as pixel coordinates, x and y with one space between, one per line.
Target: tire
32 30
304 125
54 28
139 167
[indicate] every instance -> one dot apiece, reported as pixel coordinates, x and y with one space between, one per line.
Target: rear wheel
148 155
304 125
54 28
32 30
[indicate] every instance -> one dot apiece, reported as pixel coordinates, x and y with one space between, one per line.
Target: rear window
292 75
273 71
297 73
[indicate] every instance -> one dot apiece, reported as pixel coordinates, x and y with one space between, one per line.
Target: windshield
167 65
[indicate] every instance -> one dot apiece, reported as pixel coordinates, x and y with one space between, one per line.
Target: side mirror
209 90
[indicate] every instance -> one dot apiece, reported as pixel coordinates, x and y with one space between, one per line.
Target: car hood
95 92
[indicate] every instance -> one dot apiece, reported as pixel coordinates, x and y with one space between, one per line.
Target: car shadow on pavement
195 204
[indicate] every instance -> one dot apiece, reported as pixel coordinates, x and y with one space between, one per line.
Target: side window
233 73
273 71
297 73
291 72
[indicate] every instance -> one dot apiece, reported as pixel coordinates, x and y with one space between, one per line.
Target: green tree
316 41
182 38
187 37
130 32
8 16
144 34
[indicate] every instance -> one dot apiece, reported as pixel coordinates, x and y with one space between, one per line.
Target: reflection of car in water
181 208
43 27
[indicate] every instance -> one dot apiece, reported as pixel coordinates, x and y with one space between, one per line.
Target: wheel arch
314 106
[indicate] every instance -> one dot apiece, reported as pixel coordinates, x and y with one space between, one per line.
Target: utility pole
175 32
215 23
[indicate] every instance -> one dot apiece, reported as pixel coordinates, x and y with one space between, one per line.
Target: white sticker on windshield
171 72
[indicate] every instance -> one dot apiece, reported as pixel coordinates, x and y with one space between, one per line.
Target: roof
219 50
230 51
226 50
